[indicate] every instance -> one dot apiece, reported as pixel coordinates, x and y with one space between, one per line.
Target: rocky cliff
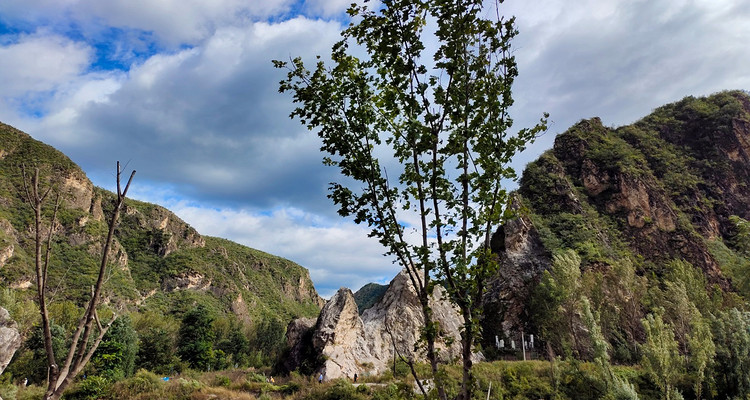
10 339
660 190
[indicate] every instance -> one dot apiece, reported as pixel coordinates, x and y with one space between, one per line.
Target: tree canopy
414 108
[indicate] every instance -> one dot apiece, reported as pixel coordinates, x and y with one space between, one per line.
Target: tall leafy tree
558 303
731 332
661 358
427 138
115 357
157 337
196 336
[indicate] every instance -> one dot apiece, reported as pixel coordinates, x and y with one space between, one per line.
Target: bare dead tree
82 345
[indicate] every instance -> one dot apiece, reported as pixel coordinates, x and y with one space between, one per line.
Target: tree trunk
80 351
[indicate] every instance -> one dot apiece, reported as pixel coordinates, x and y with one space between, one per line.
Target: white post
523 345
488 391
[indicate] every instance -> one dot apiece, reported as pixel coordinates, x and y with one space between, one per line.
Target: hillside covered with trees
630 247
184 300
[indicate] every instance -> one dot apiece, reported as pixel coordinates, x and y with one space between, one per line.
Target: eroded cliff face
347 343
523 259
339 337
616 181
659 190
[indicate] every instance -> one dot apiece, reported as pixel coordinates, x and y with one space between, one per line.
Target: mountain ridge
155 256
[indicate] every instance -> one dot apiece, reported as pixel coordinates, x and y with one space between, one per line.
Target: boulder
10 339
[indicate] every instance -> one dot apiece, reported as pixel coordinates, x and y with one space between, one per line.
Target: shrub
92 387
221 380
32 392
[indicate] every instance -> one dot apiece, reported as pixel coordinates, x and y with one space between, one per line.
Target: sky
184 92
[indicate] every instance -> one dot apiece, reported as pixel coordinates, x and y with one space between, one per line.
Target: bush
291 388
393 391
341 390
92 387
221 380
143 382
7 389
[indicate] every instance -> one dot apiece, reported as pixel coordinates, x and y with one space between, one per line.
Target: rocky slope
646 194
159 262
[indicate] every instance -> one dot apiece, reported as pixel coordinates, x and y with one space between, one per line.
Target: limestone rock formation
340 337
10 339
347 343
394 322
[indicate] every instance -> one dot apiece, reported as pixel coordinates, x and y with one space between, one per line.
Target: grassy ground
509 380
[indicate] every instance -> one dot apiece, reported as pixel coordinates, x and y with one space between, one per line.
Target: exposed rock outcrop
523 259
187 281
10 339
299 342
347 343
340 337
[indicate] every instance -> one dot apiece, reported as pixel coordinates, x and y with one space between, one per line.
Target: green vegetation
442 119
638 219
368 295
160 269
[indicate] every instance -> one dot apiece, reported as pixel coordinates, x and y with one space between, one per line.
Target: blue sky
184 91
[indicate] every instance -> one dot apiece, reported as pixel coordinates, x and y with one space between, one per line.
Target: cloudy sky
184 91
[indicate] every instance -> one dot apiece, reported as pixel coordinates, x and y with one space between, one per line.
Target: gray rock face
523 259
10 339
349 343
298 339
340 337
394 323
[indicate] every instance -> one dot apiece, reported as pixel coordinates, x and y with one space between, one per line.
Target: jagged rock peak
340 337
349 343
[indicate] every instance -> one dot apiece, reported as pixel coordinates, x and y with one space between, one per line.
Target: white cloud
40 63
172 22
337 253
206 120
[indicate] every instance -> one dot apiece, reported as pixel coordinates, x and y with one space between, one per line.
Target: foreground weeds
509 380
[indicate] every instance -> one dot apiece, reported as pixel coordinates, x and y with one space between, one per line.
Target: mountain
159 263
368 295
645 208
